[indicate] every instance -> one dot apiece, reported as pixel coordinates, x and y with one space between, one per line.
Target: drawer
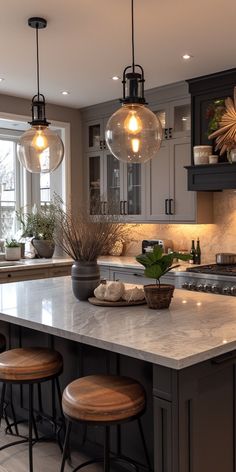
104 273
27 274
131 276
59 271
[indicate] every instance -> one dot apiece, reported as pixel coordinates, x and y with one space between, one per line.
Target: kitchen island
185 356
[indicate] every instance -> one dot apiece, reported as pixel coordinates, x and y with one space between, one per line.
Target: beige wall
217 237
21 106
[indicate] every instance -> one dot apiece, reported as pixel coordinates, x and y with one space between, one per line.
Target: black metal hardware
121 207
171 209
137 275
166 206
224 358
38 101
101 146
105 208
125 207
170 133
104 144
166 133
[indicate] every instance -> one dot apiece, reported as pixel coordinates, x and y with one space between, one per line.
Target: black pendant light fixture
133 133
40 149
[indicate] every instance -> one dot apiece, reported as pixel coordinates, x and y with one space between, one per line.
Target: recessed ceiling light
65 92
1 79
187 56
115 77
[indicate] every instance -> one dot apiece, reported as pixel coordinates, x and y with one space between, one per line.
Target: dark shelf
212 177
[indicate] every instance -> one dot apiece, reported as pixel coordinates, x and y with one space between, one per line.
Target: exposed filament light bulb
40 141
133 124
135 143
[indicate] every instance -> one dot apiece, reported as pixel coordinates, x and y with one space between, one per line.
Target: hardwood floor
47 457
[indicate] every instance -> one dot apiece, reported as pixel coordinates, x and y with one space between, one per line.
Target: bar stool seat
106 400
29 364
102 398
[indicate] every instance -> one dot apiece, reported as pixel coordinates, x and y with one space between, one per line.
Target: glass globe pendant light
39 149
133 133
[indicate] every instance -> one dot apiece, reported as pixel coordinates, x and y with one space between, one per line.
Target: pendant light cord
37 49
132 24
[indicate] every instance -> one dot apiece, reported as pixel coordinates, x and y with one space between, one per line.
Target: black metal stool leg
66 444
107 449
144 444
2 401
31 386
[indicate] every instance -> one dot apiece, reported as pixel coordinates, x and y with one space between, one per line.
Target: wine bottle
193 253
198 253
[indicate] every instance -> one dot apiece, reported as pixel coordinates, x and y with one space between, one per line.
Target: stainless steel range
212 278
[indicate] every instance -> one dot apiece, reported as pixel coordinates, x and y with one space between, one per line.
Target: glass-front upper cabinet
133 204
95 136
113 185
175 118
95 174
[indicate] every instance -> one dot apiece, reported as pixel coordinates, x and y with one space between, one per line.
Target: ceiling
87 42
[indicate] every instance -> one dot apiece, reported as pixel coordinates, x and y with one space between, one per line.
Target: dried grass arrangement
84 237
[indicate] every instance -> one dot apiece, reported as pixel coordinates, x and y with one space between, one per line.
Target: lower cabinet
34 273
194 417
132 276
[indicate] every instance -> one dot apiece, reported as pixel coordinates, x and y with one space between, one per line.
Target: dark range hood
204 90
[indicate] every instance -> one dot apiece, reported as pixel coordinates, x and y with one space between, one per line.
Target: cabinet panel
112 184
183 207
94 135
158 184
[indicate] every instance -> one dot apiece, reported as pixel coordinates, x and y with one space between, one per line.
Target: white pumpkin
114 291
133 294
99 291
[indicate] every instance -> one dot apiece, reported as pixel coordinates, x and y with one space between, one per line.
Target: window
20 188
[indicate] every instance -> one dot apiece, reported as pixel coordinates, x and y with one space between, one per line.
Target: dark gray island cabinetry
184 357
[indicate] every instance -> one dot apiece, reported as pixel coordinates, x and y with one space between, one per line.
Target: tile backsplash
217 237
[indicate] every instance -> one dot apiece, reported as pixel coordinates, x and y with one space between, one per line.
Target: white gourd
99 291
114 291
133 294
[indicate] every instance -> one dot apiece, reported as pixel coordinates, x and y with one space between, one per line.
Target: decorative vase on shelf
85 278
44 247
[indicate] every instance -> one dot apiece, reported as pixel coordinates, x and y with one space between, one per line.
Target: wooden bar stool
103 400
29 366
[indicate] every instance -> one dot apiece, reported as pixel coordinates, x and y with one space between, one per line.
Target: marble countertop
197 327
126 262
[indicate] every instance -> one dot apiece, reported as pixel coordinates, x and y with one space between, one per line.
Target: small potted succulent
13 250
156 265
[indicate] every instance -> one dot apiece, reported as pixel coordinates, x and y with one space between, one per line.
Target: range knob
226 290
233 291
215 289
200 288
185 285
192 286
207 288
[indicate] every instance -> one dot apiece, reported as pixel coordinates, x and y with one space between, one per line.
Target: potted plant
84 238
13 250
39 224
156 265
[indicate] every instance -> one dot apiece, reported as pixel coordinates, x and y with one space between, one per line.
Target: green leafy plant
38 223
214 114
12 243
156 264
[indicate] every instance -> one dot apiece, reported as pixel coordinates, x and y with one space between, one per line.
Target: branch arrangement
84 237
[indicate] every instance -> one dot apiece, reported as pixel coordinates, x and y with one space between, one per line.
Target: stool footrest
122 459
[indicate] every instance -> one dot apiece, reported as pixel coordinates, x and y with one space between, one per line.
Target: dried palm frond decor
226 133
84 238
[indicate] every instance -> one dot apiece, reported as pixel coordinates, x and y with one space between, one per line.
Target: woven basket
158 297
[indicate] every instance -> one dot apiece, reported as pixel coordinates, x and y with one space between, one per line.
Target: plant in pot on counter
84 238
39 224
13 250
156 265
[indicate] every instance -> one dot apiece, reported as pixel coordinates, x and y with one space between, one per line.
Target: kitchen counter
196 327
25 264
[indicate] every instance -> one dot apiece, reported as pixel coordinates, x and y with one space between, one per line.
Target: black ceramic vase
85 278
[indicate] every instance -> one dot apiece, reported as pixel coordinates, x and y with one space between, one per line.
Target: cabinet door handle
166 133
101 144
171 207
104 144
121 207
137 275
125 207
170 133
105 208
166 206
224 358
